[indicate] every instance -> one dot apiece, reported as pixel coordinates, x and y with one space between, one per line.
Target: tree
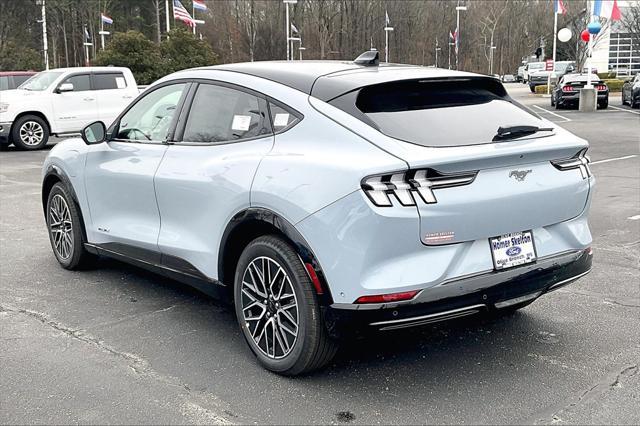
182 50
133 50
14 58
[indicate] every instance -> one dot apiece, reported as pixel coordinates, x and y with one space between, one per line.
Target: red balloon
584 35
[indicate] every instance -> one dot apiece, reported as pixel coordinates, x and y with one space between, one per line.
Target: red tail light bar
386 298
601 87
567 89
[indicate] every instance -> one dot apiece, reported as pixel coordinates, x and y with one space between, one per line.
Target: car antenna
370 58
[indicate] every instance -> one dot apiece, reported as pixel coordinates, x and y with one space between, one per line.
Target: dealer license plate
512 249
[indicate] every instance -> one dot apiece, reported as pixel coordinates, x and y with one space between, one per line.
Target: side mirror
65 87
94 133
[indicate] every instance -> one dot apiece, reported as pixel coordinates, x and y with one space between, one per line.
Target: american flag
181 14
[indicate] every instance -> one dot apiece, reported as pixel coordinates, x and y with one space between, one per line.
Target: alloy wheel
31 133
61 227
269 307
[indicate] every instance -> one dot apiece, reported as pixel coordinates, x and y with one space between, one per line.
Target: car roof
6 73
89 69
580 77
326 80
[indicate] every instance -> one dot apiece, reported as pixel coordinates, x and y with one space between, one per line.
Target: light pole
287 3
437 48
458 10
387 30
45 49
449 54
300 49
493 48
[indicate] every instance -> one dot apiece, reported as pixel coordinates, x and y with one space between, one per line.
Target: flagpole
101 32
193 11
386 46
555 37
166 8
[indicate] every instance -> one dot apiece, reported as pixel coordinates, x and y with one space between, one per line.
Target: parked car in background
12 79
508 78
530 68
312 196
631 92
567 92
520 74
541 77
62 101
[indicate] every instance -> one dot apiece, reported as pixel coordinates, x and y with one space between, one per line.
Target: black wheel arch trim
55 171
301 246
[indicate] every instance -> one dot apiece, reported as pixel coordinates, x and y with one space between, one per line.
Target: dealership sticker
281 120
439 237
241 122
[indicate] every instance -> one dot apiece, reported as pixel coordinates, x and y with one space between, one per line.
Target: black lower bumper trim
496 290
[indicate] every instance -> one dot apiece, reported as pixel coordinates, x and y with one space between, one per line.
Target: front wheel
277 309
30 132
65 229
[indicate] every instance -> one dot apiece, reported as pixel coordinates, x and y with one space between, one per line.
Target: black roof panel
326 80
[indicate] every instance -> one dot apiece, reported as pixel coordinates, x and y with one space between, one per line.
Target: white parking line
625 110
636 217
613 159
552 113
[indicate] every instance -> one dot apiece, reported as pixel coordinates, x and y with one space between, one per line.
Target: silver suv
325 198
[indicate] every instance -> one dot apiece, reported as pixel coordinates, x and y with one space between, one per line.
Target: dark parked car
631 92
567 92
12 79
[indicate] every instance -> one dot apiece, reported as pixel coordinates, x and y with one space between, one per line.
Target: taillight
567 89
580 161
386 298
601 87
408 187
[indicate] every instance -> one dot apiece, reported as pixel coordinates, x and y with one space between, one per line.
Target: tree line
245 30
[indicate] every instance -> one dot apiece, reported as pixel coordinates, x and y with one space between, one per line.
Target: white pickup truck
61 102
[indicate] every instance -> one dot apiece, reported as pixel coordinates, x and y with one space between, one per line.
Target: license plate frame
524 245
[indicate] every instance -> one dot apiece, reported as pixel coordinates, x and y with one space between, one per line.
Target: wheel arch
53 175
251 223
37 114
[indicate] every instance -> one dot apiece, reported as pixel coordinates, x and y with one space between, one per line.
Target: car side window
221 114
150 118
19 79
80 82
109 81
282 118
4 83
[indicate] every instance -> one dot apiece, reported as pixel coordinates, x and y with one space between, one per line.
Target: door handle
89 99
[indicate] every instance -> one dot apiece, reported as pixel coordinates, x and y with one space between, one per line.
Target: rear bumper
464 296
569 98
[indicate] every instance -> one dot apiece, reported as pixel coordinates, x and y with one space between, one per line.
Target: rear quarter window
109 81
442 112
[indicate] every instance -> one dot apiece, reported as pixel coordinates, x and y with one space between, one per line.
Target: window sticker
281 120
241 122
120 82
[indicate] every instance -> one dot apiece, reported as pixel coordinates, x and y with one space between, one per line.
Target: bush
541 90
19 58
615 85
181 50
136 52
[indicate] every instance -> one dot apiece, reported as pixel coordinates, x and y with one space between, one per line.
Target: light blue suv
326 198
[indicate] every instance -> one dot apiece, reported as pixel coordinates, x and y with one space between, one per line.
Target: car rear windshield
442 112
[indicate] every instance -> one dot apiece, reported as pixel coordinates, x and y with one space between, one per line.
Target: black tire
603 105
312 347
553 103
624 102
69 232
532 88
30 132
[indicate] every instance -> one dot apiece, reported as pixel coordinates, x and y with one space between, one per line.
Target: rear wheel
532 88
603 105
30 132
277 309
624 101
65 229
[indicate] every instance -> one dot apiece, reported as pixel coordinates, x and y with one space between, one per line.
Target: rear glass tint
442 113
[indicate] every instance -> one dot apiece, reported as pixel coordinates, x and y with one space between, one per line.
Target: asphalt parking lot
119 345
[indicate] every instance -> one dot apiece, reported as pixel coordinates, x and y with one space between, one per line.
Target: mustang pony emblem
519 174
